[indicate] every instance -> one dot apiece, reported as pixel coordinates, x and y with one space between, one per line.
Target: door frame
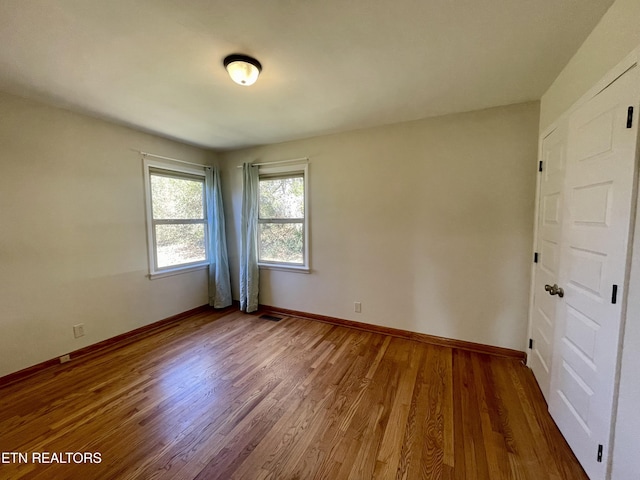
631 60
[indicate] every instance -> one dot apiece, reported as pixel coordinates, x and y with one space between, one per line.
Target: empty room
319 240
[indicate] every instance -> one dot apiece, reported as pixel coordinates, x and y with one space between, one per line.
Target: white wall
626 461
617 34
427 223
72 233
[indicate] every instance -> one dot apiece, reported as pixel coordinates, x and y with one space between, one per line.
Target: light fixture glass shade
242 69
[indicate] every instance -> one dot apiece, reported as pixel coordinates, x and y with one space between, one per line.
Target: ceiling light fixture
242 69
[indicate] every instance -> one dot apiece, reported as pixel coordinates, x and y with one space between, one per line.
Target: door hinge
535 257
531 343
629 117
599 457
614 294
540 166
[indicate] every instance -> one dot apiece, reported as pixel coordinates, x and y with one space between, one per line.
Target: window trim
172 170
289 170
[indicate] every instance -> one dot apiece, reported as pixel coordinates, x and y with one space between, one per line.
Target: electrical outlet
65 358
78 330
357 307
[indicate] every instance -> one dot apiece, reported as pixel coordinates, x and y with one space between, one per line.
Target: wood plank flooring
233 396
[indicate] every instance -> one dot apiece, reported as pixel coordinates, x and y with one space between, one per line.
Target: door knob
554 290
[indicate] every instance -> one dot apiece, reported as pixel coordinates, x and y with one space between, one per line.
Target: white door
543 316
601 153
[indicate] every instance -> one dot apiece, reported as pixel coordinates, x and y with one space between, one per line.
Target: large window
176 217
282 220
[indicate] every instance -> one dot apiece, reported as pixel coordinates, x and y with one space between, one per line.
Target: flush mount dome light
242 69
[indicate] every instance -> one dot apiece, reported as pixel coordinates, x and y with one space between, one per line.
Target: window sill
285 268
177 271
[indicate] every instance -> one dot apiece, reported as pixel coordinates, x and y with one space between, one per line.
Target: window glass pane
178 244
281 242
177 198
282 197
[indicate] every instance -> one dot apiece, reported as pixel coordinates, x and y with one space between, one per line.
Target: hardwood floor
231 396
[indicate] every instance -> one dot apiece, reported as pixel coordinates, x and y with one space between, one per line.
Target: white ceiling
328 65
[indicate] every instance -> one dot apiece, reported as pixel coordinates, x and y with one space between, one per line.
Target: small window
176 217
282 218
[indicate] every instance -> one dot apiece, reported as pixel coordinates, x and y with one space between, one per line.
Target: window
282 218
176 218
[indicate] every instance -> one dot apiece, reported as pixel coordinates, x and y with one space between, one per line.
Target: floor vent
273 318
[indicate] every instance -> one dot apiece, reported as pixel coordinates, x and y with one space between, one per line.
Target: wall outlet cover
78 330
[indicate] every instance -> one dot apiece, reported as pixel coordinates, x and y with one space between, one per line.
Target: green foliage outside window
281 228
179 221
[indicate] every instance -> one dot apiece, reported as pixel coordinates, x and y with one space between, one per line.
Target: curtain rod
306 159
147 154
